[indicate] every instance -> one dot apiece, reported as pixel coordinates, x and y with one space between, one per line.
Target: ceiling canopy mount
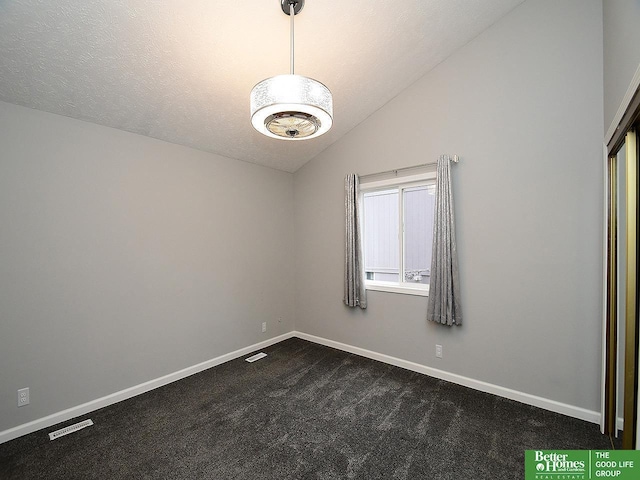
297 6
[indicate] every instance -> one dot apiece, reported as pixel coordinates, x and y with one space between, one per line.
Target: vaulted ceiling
182 71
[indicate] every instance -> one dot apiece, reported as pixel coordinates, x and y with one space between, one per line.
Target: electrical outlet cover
23 397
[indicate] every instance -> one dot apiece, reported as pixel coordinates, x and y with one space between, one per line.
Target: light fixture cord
292 14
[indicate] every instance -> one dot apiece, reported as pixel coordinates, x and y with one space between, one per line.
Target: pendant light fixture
291 107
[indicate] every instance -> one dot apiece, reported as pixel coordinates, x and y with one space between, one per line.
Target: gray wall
522 105
621 52
124 258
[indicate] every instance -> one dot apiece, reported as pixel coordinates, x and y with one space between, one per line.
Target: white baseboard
620 423
526 398
88 407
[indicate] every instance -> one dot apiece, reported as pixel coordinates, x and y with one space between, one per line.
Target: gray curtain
444 286
355 294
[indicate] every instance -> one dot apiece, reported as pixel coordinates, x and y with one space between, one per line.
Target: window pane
381 223
418 233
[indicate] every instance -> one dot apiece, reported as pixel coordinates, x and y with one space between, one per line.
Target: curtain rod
454 158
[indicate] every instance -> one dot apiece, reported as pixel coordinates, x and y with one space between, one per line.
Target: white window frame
427 178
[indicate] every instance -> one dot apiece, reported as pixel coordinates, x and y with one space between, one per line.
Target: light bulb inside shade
291 107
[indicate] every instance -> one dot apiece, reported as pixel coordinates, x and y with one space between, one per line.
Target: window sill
394 288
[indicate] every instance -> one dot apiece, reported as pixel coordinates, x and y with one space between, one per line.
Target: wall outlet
439 351
264 326
23 397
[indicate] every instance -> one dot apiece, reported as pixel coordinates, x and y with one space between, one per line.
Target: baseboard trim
88 407
526 398
620 423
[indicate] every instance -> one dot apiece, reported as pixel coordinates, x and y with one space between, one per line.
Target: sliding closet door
621 300
631 294
621 372
611 405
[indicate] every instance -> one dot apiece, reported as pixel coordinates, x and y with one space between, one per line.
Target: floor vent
255 357
70 429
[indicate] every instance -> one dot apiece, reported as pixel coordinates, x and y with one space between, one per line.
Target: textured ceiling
182 71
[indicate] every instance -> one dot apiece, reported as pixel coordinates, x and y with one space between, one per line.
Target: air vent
70 429
255 357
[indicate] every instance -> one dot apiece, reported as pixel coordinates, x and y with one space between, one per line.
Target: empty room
287 239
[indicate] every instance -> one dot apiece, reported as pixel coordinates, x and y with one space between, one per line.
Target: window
398 233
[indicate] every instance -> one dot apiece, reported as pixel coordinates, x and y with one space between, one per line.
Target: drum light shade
291 107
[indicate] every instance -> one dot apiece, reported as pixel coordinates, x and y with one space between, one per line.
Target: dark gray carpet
304 412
